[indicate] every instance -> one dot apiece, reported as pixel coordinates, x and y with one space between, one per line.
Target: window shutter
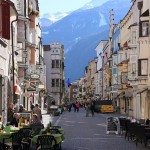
6 20
139 67
140 29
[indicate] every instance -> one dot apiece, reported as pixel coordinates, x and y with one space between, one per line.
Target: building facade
54 60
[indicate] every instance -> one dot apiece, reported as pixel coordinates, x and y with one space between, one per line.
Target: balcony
123 58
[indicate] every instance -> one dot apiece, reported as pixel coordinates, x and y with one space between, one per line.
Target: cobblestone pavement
89 133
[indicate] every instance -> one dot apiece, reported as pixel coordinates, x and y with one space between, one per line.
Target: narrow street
89 133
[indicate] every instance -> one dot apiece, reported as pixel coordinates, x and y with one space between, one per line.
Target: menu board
112 125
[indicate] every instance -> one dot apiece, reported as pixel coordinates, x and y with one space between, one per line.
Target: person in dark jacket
10 112
35 121
74 106
21 109
15 120
92 107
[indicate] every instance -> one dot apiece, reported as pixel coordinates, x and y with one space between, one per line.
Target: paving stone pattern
89 133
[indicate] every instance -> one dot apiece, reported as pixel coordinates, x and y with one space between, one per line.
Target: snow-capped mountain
52 18
80 32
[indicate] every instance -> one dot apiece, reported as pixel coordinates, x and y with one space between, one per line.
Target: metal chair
16 141
26 141
54 131
56 127
46 142
36 130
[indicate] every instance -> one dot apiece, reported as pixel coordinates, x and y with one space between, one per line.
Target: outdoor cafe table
58 138
4 134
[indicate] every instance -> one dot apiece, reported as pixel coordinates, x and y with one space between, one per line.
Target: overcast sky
53 6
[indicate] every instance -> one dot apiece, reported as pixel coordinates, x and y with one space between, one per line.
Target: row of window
57 83
57 64
142 67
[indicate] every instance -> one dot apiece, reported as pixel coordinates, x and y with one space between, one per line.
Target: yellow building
91 75
123 59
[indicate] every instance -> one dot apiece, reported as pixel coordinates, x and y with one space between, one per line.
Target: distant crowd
89 107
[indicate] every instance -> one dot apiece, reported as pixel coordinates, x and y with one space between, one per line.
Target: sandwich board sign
112 125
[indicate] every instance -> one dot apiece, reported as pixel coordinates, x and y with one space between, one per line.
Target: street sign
35 76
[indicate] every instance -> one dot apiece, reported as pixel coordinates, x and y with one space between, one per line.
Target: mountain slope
81 31
79 56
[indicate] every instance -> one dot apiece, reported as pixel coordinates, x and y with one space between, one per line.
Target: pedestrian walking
87 109
37 110
92 107
77 106
74 106
69 107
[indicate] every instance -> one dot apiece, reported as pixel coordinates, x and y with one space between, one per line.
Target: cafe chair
46 142
56 127
26 141
122 122
142 135
16 141
54 131
36 130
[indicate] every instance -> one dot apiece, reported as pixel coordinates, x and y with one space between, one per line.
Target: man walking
37 110
92 107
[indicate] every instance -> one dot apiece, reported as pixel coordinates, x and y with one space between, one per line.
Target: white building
54 60
98 78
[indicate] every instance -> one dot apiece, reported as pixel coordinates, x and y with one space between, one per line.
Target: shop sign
35 76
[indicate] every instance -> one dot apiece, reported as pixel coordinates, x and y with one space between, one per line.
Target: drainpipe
13 64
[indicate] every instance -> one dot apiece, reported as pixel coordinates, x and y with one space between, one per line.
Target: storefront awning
17 89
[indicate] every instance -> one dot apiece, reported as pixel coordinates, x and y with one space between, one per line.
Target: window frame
140 67
53 63
57 63
57 82
125 72
53 82
141 28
